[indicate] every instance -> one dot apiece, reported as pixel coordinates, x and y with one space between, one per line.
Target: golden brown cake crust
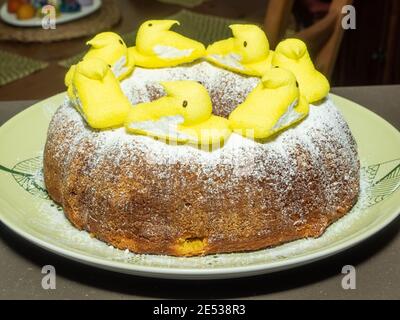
140 194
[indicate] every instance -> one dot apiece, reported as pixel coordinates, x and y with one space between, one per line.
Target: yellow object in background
247 52
69 77
184 115
110 47
157 46
26 11
97 94
273 105
292 55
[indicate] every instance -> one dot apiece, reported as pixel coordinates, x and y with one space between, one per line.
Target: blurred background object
370 55
366 55
318 24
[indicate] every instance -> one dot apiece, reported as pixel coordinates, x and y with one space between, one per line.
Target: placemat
201 27
14 67
184 3
103 19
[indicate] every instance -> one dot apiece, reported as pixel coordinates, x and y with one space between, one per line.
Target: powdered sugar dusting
266 185
324 121
227 89
51 218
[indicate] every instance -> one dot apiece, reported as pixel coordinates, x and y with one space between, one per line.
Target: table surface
50 80
377 260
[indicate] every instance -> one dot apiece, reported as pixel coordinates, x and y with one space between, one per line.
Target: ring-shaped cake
138 193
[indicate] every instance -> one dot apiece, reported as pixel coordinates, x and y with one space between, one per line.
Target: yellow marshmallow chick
110 48
157 46
273 105
98 96
68 81
184 115
246 52
292 54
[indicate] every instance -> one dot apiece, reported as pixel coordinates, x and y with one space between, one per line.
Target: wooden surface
50 81
377 59
377 260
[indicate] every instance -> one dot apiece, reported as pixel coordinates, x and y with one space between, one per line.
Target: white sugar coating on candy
231 60
119 67
168 52
288 117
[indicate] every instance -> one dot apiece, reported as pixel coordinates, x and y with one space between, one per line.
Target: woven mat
201 27
14 67
103 19
184 3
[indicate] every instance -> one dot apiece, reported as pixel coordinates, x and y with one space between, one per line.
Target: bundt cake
137 192
147 196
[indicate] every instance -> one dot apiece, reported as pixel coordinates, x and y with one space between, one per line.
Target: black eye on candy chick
184 104
245 44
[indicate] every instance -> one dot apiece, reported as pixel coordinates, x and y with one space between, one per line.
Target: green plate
26 208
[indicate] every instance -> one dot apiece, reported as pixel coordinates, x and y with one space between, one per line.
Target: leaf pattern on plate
29 175
383 178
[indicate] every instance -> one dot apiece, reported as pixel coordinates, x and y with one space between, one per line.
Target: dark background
369 55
